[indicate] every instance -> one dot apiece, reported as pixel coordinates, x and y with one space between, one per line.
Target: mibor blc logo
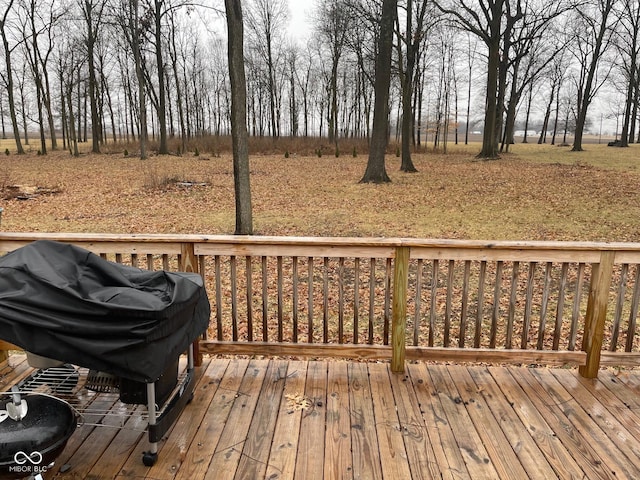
28 463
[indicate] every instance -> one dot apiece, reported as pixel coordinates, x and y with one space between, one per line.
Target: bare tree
376 171
486 22
7 77
535 43
239 135
416 29
266 21
594 28
36 23
628 45
128 18
179 86
333 24
92 13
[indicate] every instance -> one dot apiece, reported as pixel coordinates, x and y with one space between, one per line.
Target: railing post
189 263
188 260
596 313
399 309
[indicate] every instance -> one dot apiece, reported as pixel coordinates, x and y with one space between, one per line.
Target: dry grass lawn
539 192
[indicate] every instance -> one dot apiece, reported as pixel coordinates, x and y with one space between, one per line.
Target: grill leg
150 457
190 358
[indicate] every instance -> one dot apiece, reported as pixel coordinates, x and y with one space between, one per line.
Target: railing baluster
218 273
310 298
341 300
325 300
356 299
434 301
526 324
295 299
372 299
280 299
465 304
496 306
249 296
544 305
575 317
513 297
479 314
265 299
417 314
234 298
387 302
617 318
448 311
557 332
633 314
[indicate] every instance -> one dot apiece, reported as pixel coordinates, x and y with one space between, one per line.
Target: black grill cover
66 303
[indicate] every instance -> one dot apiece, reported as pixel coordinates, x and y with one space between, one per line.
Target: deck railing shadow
400 299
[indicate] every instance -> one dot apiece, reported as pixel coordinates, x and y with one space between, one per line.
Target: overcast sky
299 11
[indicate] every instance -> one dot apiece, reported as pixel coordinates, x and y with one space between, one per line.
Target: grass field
537 192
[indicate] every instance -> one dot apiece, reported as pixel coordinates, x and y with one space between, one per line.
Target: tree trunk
491 121
11 99
239 135
555 120
584 100
514 99
376 172
36 77
91 38
163 148
406 165
142 114
624 136
174 63
47 104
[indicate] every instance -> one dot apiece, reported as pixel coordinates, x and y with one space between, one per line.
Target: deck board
471 446
338 462
364 441
278 419
507 421
310 457
448 455
227 456
422 459
393 454
284 447
493 434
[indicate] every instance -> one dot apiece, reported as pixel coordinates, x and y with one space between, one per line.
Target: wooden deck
276 419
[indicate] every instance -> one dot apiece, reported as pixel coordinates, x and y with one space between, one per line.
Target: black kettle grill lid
49 422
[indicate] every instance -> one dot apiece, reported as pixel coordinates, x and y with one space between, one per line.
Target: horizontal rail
399 299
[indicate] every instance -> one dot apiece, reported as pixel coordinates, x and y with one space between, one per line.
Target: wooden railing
401 299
